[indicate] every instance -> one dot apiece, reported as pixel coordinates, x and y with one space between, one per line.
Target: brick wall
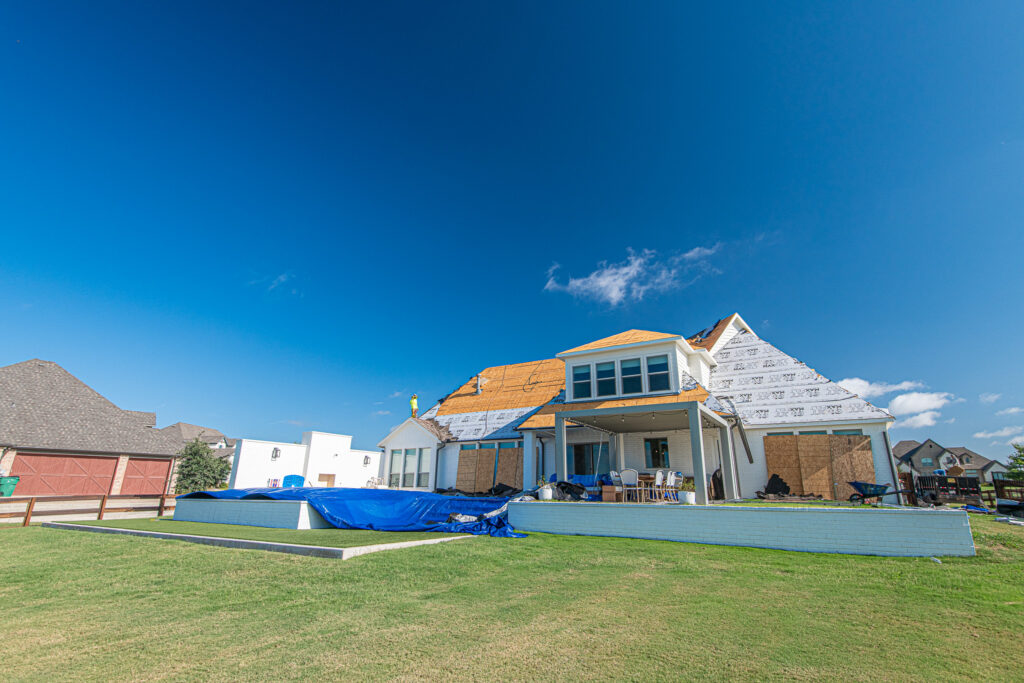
824 530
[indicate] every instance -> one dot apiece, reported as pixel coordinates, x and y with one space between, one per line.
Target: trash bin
7 485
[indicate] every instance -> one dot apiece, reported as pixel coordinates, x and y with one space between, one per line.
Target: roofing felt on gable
766 386
624 338
45 407
507 387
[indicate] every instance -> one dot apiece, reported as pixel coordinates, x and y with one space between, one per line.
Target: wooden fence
102 505
1009 489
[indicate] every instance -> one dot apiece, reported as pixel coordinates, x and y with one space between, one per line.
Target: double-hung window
581 382
395 478
606 379
409 474
632 381
657 373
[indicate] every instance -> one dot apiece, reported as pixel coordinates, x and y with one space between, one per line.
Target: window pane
507 444
848 432
581 389
409 474
487 445
468 447
580 372
657 373
631 380
656 452
606 379
605 370
581 381
395 478
423 479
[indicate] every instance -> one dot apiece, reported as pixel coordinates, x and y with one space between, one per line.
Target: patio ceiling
649 421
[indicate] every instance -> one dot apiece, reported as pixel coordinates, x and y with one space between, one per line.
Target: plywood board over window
485 469
510 467
820 464
465 479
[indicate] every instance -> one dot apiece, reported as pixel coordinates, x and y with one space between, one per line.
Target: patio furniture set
629 485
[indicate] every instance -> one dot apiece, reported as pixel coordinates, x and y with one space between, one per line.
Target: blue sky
274 217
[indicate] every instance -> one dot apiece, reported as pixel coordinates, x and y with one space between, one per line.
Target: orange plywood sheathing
851 461
522 385
782 457
816 465
545 417
712 336
623 338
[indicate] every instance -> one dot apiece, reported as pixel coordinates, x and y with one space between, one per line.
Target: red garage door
145 476
62 475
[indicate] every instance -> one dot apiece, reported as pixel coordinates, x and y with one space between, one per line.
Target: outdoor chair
658 487
617 483
631 486
670 486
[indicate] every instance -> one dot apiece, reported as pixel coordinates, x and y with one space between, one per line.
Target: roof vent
479 384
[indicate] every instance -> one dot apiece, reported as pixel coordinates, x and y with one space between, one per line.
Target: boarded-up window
820 464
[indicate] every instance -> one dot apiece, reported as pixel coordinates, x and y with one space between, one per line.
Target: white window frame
423 459
673 377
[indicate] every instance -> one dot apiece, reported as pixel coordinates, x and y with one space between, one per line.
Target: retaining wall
278 514
878 531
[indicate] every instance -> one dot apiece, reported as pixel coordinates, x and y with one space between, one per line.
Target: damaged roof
705 339
504 387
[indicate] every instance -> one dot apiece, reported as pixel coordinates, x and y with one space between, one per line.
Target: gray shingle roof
44 406
185 432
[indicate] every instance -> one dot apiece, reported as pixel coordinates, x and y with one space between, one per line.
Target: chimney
479 385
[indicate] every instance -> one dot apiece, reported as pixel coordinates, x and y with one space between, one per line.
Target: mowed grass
333 538
83 606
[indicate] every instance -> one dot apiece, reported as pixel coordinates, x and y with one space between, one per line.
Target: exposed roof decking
707 342
624 339
508 387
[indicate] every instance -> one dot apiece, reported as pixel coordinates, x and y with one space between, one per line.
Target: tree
1015 468
199 469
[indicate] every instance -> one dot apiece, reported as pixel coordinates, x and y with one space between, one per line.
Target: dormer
631 364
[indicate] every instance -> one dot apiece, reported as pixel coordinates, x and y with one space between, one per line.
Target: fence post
28 511
160 508
103 506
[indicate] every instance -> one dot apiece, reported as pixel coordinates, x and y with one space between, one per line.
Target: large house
923 458
62 438
639 399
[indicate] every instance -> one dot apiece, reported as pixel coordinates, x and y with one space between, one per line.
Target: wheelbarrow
866 490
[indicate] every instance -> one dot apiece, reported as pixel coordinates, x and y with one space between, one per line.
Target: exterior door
145 476
62 475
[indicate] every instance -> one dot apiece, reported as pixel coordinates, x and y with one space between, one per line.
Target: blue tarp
385 509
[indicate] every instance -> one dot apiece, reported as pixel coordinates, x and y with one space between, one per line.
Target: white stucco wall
319 453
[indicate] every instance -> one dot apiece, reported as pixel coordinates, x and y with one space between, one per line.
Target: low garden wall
875 531
278 514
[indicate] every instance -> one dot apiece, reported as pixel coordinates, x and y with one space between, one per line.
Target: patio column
561 466
620 452
529 460
730 477
700 480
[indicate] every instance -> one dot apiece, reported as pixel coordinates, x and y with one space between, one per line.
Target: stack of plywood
820 464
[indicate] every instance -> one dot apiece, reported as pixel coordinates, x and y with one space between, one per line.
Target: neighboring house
638 399
321 459
185 433
62 438
923 458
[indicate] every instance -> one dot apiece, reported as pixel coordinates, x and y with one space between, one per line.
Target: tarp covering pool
386 509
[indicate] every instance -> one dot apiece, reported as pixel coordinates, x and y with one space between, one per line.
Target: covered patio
709 435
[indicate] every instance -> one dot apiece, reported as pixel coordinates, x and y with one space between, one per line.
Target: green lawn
98 607
334 538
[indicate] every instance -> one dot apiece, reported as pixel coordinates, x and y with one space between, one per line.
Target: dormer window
606 379
657 373
581 381
632 380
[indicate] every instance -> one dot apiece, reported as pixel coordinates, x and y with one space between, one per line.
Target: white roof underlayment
766 386
484 424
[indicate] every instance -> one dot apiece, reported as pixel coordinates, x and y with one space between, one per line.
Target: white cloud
919 402
631 280
950 420
925 419
1015 440
283 283
989 398
394 394
866 389
382 412
1010 411
999 433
